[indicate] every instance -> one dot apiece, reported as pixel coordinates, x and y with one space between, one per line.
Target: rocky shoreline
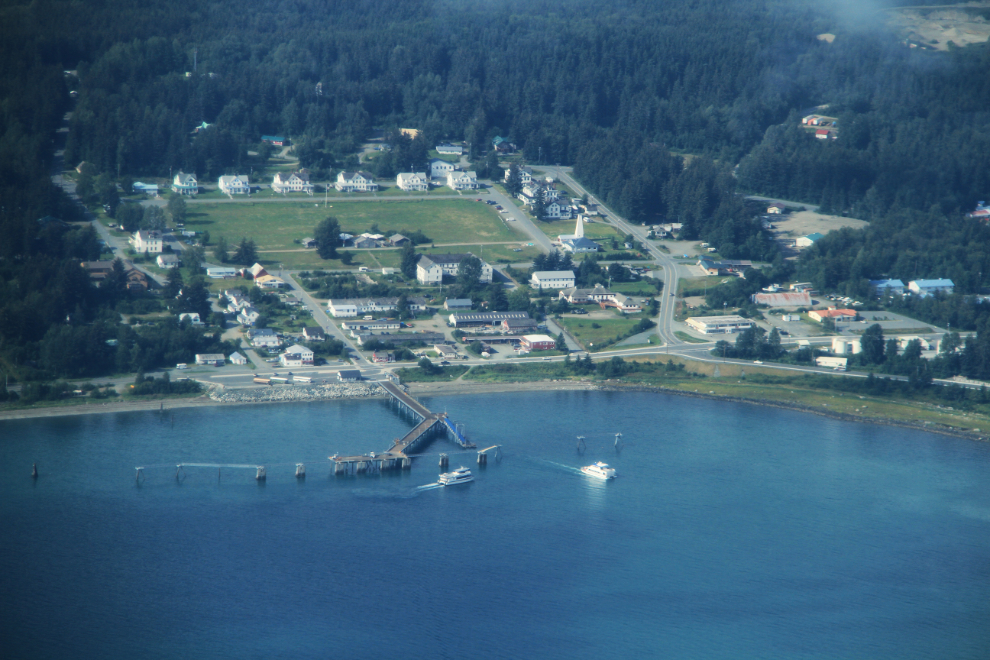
295 393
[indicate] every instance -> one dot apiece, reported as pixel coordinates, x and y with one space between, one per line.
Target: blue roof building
884 287
928 287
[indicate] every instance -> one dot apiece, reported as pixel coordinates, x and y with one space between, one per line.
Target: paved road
329 327
667 301
522 219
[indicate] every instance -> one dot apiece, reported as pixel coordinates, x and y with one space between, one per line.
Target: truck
263 381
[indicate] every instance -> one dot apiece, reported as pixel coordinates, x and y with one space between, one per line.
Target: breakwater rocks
296 393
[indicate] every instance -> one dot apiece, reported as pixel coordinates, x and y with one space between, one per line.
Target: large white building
439 168
351 307
718 325
235 184
185 184
412 181
147 241
286 182
355 182
431 269
296 356
552 279
928 287
462 180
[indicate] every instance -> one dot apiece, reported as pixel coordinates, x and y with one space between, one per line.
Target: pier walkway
397 456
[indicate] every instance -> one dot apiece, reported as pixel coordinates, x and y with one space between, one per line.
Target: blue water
733 531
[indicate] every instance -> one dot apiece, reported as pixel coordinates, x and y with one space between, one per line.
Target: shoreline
470 387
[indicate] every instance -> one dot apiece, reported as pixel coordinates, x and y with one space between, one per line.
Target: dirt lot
936 27
788 227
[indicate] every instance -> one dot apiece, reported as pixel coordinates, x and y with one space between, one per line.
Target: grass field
274 227
641 288
584 331
683 336
696 285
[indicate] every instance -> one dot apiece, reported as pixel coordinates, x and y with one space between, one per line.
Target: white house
355 182
247 315
412 181
431 269
267 281
552 279
264 338
238 359
235 184
286 182
167 261
185 184
462 180
525 175
450 149
296 356
928 287
192 316
439 168
147 241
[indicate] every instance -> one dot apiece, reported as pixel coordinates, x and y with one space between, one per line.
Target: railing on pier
455 433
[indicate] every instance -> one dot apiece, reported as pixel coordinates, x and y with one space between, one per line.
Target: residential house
97 270
928 287
269 282
450 149
412 181
247 315
286 182
275 140
462 180
367 241
313 334
398 240
264 338
136 280
431 269
147 241
552 279
577 296
439 168
808 241
238 359
167 261
822 134
502 144
776 209
185 184
525 175
296 356
457 303
235 184
217 359
356 182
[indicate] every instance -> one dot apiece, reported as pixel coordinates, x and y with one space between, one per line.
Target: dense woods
654 104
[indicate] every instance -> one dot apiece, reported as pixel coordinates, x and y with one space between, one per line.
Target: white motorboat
461 475
599 470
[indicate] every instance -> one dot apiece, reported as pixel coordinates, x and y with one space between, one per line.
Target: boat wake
559 466
428 487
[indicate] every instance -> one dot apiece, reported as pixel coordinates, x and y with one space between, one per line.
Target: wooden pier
429 424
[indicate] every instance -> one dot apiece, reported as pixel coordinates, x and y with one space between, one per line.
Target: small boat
599 470
461 475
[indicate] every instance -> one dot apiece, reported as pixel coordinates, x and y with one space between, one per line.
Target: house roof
553 274
922 284
297 349
814 237
886 284
168 258
581 243
272 138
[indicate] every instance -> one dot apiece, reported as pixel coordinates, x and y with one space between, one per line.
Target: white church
576 242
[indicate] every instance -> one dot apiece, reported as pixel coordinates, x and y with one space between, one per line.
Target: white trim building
356 182
296 356
439 168
431 269
147 241
235 184
286 182
185 184
462 180
552 279
719 325
412 181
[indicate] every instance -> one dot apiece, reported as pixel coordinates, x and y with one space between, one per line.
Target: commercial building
538 342
349 307
837 315
296 356
719 325
928 287
480 319
887 287
210 359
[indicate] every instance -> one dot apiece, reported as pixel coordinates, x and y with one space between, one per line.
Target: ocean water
733 531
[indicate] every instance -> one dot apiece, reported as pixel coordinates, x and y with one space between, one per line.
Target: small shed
238 359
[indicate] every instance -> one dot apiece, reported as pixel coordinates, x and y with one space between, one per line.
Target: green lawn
274 227
696 285
683 336
641 288
590 337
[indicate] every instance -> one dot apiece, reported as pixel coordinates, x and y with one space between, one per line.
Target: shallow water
733 531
